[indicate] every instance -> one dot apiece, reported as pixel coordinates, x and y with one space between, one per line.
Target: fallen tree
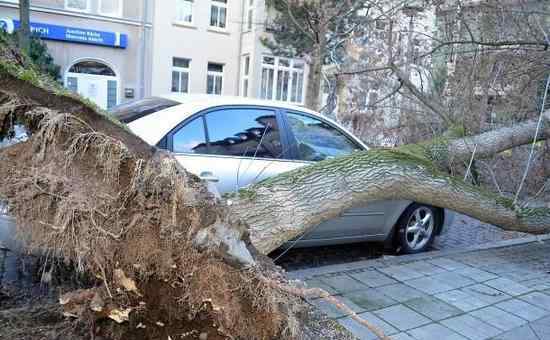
286 206
167 256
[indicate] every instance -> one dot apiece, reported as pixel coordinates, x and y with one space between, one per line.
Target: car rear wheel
416 229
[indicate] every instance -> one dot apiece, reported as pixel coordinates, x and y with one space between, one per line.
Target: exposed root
83 196
109 153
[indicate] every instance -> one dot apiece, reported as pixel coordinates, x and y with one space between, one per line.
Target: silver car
233 142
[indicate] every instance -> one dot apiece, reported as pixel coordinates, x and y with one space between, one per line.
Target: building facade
196 47
113 51
264 75
100 45
215 47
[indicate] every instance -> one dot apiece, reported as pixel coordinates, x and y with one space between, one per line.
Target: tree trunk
25 29
313 92
284 207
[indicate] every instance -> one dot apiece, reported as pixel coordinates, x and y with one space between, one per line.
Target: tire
416 229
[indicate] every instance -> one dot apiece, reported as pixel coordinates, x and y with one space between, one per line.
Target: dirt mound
87 193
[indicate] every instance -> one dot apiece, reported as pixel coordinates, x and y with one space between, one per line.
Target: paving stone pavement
497 293
466 231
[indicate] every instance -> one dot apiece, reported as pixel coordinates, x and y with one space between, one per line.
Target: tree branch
495 141
431 104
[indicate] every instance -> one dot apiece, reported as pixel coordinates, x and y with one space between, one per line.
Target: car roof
153 127
228 100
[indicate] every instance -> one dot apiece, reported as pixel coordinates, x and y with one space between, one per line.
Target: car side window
190 138
246 132
317 140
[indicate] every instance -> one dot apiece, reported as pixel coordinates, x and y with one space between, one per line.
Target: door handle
208 177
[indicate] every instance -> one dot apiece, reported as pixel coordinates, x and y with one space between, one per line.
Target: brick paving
496 293
466 232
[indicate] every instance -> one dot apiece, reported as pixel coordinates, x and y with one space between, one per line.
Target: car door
313 140
232 146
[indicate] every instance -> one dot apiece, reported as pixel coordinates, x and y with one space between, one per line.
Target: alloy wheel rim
420 227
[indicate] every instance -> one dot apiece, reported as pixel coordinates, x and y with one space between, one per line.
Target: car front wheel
416 229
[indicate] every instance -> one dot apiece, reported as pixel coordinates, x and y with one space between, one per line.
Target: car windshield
137 109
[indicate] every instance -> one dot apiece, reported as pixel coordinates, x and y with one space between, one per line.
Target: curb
385 261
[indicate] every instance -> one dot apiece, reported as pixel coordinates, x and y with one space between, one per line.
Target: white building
101 45
139 48
215 47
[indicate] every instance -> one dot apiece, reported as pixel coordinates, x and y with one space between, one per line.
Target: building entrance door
95 81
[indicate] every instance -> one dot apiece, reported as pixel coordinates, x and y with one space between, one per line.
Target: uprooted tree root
83 196
100 198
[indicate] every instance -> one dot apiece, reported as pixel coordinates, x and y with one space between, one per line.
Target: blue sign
71 34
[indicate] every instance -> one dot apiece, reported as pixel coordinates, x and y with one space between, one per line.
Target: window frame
245 78
219 4
279 114
190 23
291 69
88 8
117 14
293 142
215 74
180 70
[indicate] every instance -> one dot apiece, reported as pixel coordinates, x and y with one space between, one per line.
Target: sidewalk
496 293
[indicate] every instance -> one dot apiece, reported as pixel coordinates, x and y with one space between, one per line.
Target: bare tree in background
464 68
314 30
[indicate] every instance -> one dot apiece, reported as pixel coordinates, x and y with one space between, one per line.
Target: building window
111 8
214 78
282 79
78 5
180 75
218 13
249 14
246 75
184 11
